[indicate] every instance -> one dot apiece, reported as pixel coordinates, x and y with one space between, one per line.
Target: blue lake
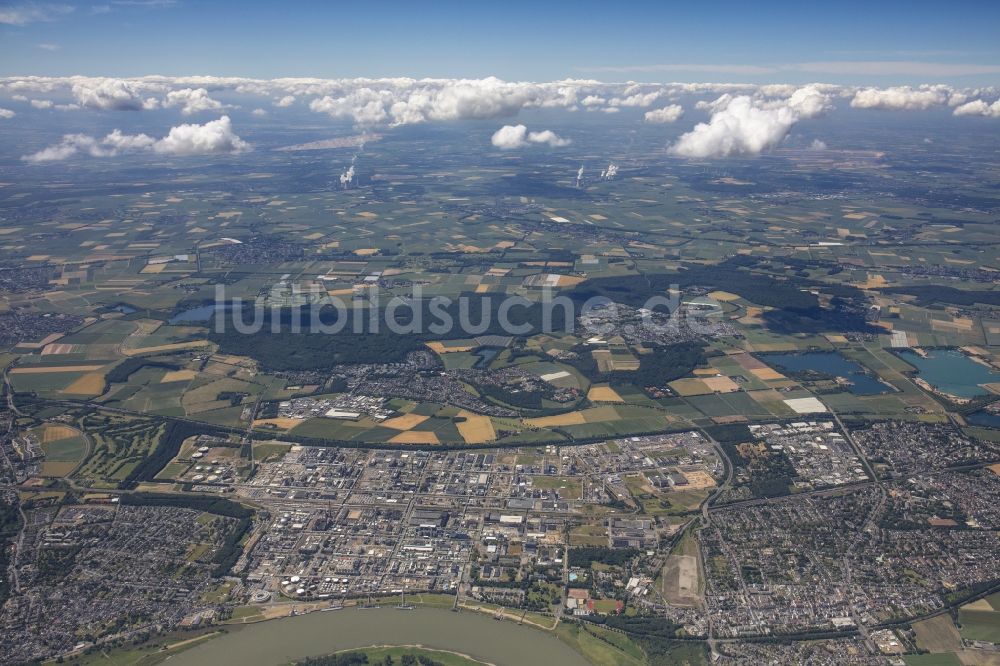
486 356
983 418
830 363
199 313
952 372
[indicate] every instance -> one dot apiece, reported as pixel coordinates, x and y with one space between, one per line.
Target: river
292 638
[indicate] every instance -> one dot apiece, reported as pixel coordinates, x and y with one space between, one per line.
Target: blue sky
843 42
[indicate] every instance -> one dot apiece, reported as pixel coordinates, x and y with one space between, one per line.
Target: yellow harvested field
53 468
569 418
47 369
178 376
476 428
721 384
91 383
592 415
482 288
995 469
765 396
766 374
194 344
366 251
53 432
405 422
415 437
764 347
367 215
153 268
442 348
603 394
979 605
874 281
723 296
280 422
341 292
569 280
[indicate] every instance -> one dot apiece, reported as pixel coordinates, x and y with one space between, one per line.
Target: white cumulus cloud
192 100
213 137
979 108
667 114
6 113
548 137
900 98
216 136
110 95
639 99
744 125
510 137
70 145
122 142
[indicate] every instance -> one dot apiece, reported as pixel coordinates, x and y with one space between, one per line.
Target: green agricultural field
977 625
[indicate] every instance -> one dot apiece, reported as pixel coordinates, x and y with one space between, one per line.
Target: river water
280 641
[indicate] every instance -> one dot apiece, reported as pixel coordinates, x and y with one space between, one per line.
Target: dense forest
322 350
10 526
121 372
635 290
931 294
796 307
664 364
584 556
